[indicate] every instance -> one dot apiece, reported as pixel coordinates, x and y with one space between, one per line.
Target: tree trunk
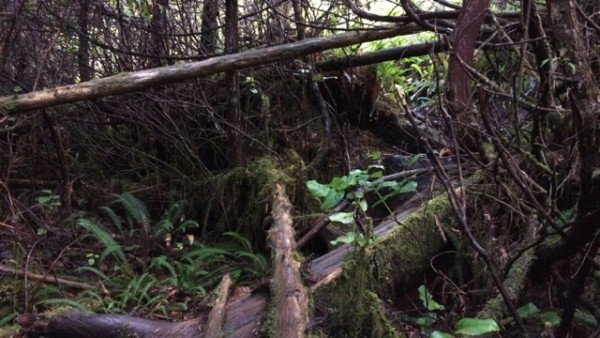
208 30
463 40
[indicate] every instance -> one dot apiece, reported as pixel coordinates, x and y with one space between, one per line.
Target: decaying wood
291 314
136 81
217 313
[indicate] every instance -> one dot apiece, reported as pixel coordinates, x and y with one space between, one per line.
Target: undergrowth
153 267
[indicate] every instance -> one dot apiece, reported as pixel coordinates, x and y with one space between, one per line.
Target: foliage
353 188
133 283
463 327
416 76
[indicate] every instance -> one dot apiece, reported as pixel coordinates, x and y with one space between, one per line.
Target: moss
407 248
238 199
359 315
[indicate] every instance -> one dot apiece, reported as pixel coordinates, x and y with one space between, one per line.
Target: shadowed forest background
241 168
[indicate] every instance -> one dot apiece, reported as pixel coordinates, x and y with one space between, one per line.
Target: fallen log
244 319
410 238
290 296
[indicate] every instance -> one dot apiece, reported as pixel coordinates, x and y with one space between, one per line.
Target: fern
116 220
112 248
135 210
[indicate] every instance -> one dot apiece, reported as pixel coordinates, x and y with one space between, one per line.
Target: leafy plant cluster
416 76
353 188
464 327
155 266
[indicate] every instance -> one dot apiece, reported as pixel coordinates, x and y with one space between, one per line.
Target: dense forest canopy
158 155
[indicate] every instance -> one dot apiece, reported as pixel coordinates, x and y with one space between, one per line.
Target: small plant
464 327
353 187
48 199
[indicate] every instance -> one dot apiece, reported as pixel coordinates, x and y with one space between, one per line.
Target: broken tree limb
214 327
136 81
289 295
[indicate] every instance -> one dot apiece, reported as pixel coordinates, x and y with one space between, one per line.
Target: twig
47 279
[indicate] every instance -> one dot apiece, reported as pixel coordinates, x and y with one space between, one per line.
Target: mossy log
289 295
405 242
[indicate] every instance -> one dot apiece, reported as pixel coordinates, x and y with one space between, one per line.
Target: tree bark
214 326
234 114
462 41
208 32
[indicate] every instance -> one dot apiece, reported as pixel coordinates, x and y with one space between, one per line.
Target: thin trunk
233 104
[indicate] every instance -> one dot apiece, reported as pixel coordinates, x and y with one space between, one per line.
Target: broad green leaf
550 317
388 184
317 189
340 183
425 321
427 299
363 205
410 186
358 194
332 199
527 310
348 238
475 326
375 175
440 334
415 159
342 217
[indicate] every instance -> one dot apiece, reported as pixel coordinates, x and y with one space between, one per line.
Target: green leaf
342 183
440 334
425 321
527 310
332 199
410 186
427 299
413 160
348 238
342 217
317 189
363 205
475 326
388 184
550 317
